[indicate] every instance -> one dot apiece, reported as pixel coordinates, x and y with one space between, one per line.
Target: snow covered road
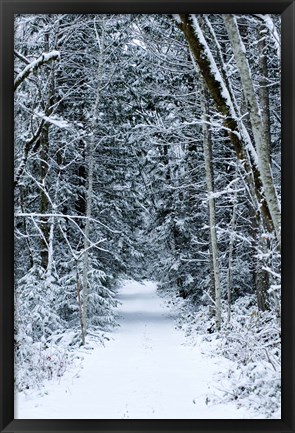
146 371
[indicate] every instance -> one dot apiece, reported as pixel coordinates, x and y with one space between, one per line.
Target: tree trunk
221 97
263 90
90 190
86 238
44 158
260 137
44 144
230 258
212 278
207 145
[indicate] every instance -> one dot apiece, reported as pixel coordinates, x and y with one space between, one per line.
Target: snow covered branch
35 65
57 215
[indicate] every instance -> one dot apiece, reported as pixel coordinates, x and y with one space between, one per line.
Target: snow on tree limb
54 120
269 24
60 215
35 65
213 67
220 95
256 123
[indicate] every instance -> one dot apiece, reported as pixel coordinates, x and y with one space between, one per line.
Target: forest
148 148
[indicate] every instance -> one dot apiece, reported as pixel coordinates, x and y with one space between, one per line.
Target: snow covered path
146 371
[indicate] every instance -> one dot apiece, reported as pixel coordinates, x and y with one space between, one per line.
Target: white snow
147 370
177 18
224 91
35 64
268 21
60 123
214 68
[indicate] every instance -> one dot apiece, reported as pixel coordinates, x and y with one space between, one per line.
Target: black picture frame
8 9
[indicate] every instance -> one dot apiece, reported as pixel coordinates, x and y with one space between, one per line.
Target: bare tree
94 119
235 129
259 132
207 146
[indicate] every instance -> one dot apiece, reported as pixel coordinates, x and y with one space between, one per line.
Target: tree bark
230 258
222 101
259 134
207 146
263 90
90 190
44 144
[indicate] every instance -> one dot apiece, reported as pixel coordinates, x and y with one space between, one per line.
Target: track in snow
146 371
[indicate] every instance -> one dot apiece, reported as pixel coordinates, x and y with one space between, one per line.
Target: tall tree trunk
51 229
44 161
44 144
207 145
86 237
230 257
262 280
260 137
90 188
263 90
218 91
212 278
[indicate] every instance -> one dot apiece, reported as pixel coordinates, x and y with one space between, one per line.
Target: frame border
286 8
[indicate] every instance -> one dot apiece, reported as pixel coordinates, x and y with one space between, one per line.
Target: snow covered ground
147 370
